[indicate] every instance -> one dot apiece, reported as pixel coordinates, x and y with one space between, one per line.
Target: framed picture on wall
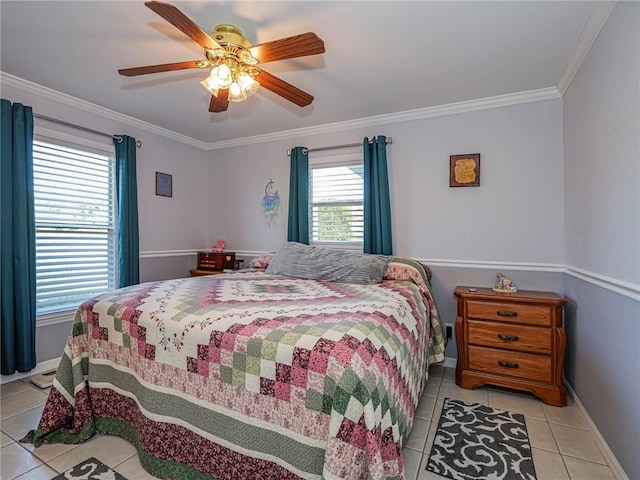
464 170
164 184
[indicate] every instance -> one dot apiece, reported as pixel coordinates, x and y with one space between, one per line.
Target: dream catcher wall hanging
270 204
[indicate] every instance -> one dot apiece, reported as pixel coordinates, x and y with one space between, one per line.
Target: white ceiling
381 57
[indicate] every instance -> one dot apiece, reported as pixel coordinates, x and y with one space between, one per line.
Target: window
75 224
336 194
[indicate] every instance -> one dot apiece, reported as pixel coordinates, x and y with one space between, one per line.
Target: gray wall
166 224
513 222
602 233
515 216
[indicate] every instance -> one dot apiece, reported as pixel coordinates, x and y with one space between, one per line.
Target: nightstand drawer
510 312
520 365
510 337
216 260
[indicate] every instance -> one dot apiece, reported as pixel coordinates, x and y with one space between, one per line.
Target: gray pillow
318 263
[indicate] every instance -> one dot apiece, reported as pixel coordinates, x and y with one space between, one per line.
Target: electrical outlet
448 327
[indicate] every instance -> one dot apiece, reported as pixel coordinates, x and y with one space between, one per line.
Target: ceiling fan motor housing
226 34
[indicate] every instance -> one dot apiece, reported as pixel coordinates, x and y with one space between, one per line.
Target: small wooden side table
512 340
195 272
214 263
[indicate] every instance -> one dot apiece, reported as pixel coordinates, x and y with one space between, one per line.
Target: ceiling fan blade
219 103
183 23
164 67
284 89
291 47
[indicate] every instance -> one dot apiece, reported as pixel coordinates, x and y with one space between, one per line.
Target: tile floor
563 448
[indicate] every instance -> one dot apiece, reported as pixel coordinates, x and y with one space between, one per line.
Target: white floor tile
437 409
451 390
7 389
411 463
109 449
43 472
583 470
22 401
577 443
425 407
19 425
15 460
449 374
548 465
569 416
49 451
433 428
5 439
527 406
540 435
418 435
432 386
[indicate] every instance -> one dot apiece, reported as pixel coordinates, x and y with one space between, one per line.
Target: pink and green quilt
251 376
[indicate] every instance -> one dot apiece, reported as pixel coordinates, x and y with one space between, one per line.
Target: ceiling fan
233 60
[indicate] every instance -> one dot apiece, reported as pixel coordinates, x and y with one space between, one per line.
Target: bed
252 374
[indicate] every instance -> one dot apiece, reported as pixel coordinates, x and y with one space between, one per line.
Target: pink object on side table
220 245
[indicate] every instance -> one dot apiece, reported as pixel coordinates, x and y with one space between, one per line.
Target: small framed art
164 184
464 170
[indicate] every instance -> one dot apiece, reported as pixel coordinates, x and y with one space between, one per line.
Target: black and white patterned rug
478 442
90 469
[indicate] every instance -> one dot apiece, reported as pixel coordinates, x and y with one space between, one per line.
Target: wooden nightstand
213 263
194 272
513 340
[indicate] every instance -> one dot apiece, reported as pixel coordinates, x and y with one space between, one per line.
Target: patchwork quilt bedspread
250 375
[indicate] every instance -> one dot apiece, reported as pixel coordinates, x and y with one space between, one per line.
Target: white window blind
336 211
75 225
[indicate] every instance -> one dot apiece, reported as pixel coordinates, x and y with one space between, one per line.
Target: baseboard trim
41 367
612 461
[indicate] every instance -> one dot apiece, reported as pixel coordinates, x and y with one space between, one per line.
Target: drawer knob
507 313
508 338
502 363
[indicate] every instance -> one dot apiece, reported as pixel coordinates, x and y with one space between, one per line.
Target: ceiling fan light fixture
209 86
242 87
221 77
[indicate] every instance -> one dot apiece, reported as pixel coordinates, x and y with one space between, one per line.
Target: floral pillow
400 268
261 261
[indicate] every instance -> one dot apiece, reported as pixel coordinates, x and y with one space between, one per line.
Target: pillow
400 268
317 263
261 261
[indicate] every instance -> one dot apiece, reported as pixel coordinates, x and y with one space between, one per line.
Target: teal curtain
298 229
377 204
17 240
127 202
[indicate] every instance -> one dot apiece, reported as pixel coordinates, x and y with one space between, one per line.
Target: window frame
345 160
90 146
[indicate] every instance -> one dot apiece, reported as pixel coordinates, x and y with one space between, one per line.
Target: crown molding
408 115
597 18
416 114
51 94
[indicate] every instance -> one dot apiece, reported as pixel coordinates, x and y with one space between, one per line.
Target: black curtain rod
331 147
79 127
